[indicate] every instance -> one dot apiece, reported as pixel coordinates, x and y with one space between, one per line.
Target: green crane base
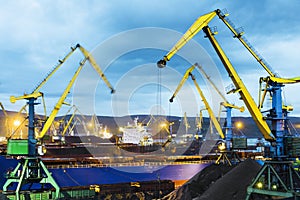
277 179
30 170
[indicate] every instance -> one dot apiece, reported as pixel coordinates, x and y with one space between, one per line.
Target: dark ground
218 182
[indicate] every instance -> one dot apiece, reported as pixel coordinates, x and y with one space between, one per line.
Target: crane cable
158 97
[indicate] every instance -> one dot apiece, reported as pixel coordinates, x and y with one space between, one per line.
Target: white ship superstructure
136 133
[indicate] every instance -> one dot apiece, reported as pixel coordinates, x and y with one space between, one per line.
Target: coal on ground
218 182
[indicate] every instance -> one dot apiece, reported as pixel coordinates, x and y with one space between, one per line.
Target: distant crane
186 123
199 123
207 106
228 106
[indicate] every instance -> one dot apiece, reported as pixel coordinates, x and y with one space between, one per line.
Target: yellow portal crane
186 123
199 121
202 24
269 180
27 147
207 106
36 93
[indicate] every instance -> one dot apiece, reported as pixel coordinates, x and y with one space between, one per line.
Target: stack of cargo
292 146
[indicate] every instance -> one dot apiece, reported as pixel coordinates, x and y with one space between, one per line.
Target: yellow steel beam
241 88
60 102
192 31
184 78
96 67
210 112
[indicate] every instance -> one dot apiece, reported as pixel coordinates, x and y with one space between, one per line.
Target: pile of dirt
198 184
218 182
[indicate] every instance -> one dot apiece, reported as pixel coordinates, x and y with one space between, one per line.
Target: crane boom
95 66
193 30
184 78
239 35
61 61
210 112
241 88
60 101
202 24
87 56
211 82
203 21
225 103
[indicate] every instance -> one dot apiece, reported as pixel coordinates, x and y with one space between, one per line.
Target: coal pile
218 182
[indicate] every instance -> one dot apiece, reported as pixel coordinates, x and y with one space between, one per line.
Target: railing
128 164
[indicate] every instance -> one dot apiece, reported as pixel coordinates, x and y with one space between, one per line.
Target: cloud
35 34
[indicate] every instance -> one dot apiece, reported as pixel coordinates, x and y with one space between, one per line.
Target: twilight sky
127 38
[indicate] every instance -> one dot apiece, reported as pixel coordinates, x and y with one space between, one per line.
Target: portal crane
186 122
276 178
33 169
199 122
207 106
198 25
274 83
87 57
228 106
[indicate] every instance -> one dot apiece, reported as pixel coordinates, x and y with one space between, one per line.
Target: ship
137 134
98 181
137 137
